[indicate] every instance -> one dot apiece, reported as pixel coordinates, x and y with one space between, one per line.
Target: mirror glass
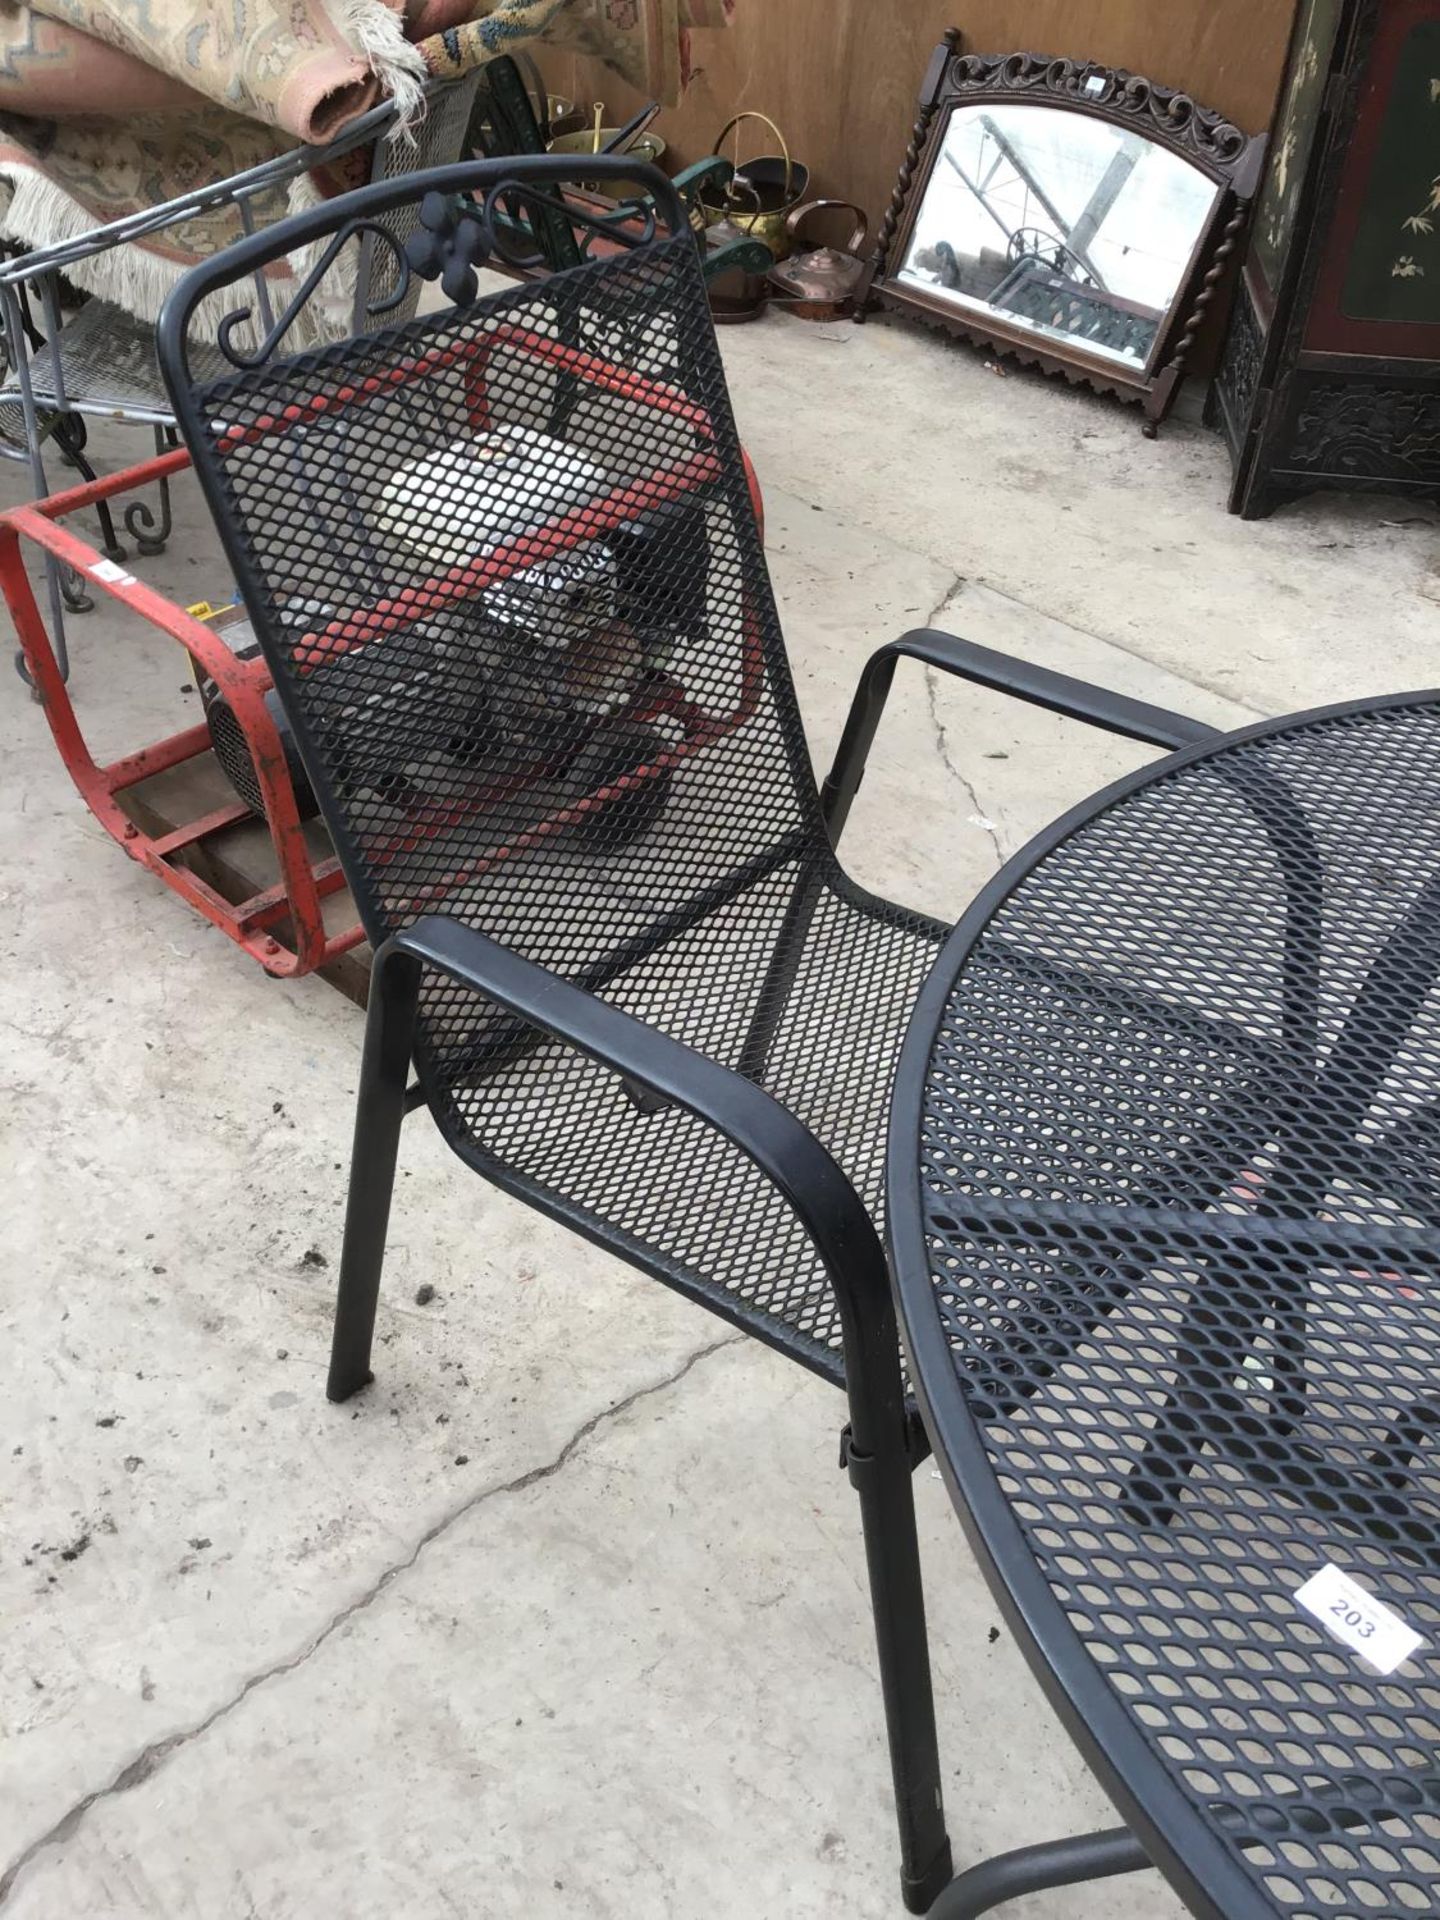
1059 224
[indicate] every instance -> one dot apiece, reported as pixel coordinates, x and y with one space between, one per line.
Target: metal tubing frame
1202 1873
879 1448
1094 1856
1055 1863
1057 692
879 1451
303 883
239 187
68 434
13 321
1077 699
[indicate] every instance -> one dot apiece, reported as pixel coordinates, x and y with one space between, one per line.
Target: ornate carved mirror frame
1169 120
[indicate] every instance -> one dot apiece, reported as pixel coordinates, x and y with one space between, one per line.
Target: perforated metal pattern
504 566
438 139
1180 1167
106 365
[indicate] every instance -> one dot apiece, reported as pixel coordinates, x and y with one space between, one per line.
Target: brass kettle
820 284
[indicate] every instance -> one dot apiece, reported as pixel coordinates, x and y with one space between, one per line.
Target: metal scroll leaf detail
370 238
1166 114
453 240
524 227
456 236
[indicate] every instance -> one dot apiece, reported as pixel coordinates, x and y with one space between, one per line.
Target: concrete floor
567 1614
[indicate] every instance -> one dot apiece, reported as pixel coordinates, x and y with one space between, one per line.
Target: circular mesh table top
1165 1213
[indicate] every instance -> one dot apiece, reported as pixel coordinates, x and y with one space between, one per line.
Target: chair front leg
380 1108
878 1452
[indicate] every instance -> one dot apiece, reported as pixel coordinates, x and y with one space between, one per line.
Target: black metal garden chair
505 567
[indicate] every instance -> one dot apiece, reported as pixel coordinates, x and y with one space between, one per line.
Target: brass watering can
761 193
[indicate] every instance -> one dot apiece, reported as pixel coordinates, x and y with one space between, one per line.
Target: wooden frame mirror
1077 217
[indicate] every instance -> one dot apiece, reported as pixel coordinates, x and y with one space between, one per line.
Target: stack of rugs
110 107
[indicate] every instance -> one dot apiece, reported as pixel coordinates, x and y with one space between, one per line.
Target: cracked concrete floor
566 1615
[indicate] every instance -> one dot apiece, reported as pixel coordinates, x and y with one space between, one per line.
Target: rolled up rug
646 42
108 109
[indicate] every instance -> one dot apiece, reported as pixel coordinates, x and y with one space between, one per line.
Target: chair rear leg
68 433
379 1113
148 529
881 1471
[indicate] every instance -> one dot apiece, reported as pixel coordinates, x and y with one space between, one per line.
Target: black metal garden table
1165 1215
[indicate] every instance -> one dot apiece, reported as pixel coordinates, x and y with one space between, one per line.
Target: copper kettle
820 284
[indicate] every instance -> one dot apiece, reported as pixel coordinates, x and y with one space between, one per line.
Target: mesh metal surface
504 565
106 364
438 139
1180 1166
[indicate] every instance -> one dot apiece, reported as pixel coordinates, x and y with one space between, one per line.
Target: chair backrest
367 275
438 141
505 568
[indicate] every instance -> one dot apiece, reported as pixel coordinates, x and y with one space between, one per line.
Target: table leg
1212 1347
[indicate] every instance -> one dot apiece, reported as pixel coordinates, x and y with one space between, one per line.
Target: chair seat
836 1000
837 1010
107 366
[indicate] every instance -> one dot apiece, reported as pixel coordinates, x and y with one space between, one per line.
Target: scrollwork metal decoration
633 223
150 530
375 305
523 227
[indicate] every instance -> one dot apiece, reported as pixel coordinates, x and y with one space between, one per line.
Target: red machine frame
304 883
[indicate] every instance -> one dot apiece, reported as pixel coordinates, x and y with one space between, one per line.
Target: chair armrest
1002 673
783 1149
